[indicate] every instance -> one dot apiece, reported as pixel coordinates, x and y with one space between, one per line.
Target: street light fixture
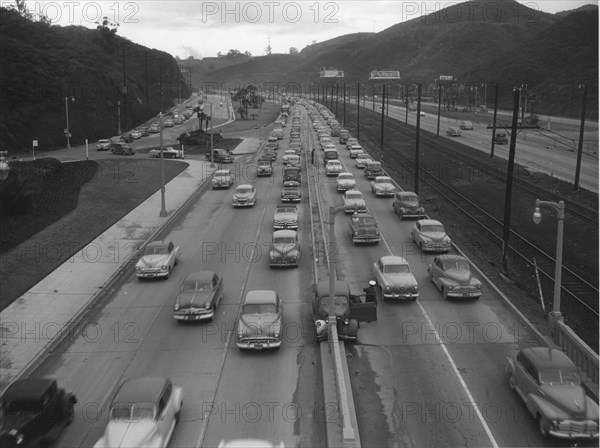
559 207
67 130
4 167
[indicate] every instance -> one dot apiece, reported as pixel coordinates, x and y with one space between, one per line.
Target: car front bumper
569 429
401 295
384 193
366 239
193 316
461 294
280 226
154 273
258 344
437 247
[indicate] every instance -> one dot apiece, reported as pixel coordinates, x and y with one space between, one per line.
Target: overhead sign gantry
377 75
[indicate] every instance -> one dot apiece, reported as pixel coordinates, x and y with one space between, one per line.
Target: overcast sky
204 28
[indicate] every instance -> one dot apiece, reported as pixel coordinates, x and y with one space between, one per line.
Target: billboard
446 78
384 74
331 73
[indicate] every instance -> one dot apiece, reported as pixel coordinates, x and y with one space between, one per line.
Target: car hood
571 400
259 324
365 229
384 186
152 260
17 420
346 182
196 299
287 217
436 236
461 277
243 195
352 202
129 434
401 279
284 248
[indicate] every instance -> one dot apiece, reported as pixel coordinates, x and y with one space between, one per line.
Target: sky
204 28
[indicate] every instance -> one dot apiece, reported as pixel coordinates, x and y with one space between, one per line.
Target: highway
426 373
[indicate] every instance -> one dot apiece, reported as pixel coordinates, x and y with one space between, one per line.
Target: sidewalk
53 308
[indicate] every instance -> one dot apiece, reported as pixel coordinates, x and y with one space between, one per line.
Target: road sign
331 73
35 143
384 74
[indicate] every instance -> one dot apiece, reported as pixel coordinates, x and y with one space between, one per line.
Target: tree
108 30
293 50
233 53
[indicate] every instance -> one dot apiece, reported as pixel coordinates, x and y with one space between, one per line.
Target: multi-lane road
426 373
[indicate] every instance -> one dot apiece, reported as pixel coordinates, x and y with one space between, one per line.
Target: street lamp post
559 207
163 209
67 130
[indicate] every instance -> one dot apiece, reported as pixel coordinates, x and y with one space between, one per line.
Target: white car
356 150
168 153
222 179
362 160
354 199
143 414
287 154
158 260
351 142
383 186
136 134
333 168
346 181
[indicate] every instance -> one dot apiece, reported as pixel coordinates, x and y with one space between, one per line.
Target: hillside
476 42
43 64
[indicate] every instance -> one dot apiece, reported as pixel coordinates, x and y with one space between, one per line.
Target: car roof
285 233
260 296
407 193
159 243
547 357
200 276
429 222
28 389
144 389
285 206
340 288
383 177
451 257
393 259
243 186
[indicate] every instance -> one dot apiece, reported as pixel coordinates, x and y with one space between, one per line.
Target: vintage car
168 123
177 119
273 145
168 153
291 192
296 146
550 385
453 277
143 413
466 125
383 186
128 137
364 229
286 154
346 181
154 128
453 132
250 443
285 249
362 160
292 173
501 138
354 199
277 133
286 217
200 294
103 145
333 168
293 160
395 278
326 140
158 259
121 149
220 156
136 134
264 167
348 309
222 179
351 142
430 236
406 204
244 196
355 151
344 135
145 130
34 413
373 169
260 323
269 154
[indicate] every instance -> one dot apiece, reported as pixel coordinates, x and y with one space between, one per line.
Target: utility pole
439 108
581 129
124 87
495 116
417 140
358 110
382 123
344 107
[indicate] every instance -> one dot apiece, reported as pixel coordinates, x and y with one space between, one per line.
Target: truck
344 135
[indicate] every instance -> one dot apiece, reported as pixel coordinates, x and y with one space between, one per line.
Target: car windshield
382 181
559 376
396 269
433 228
353 195
131 411
286 210
460 265
156 250
260 308
345 177
21 406
340 304
196 286
365 221
410 198
244 190
222 173
284 240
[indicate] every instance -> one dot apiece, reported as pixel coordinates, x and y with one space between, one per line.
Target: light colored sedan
222 179
168 153
333 168
383 186
362 160
143 414
453 277
346 181
356 150
354 199
430 236
159 258
244 196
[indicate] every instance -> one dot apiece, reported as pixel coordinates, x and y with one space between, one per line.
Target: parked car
286 217
296 146
264 167
143 413
220 156
277 133
154 128
430 236
362 160
364 229
34 412
291 192
395 279
466 125
285 249
453 277
145 130
244 196
122 149
199 296
261 321
333 168
354 199
453 132
406 204
501 138
346 181
158 259
549 384
383 186
348 309
136 134
222 179
103 145
168 153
